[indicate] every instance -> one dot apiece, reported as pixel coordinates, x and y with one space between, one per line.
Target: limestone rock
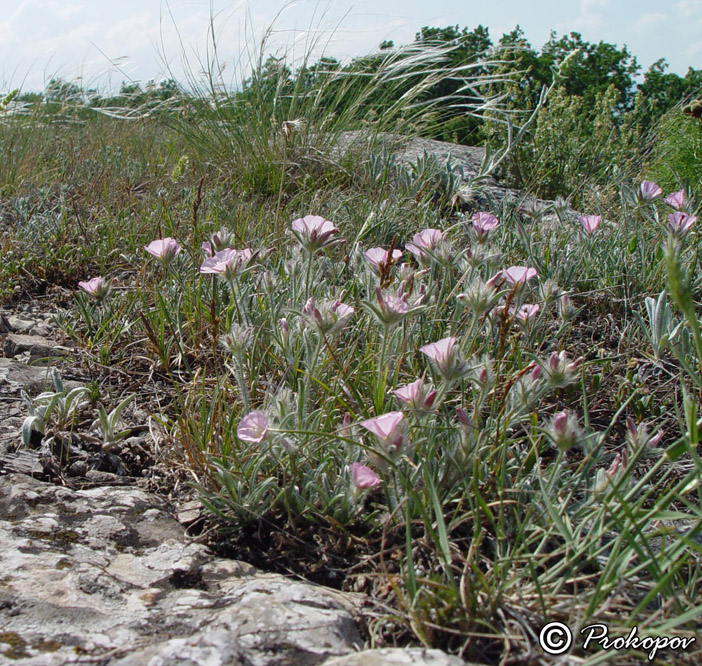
36 346
107 572
15 376
20 325
466 163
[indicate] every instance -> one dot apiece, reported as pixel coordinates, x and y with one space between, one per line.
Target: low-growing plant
55 408
109 422
429 397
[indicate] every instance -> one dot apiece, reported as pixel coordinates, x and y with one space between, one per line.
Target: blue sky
104 43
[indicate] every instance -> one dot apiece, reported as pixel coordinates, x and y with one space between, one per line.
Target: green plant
109 423
660 325
677 150
51 408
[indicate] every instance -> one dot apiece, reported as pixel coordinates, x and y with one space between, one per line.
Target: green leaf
28 426
674 451
58 384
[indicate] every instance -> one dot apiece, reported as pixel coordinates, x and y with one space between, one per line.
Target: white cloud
589 6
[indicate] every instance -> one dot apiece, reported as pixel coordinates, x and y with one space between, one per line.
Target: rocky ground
94 569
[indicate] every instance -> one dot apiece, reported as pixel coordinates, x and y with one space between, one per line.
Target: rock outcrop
107 573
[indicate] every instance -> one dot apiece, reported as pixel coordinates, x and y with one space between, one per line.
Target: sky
101 44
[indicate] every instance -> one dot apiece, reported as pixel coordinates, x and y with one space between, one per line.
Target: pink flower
96 287
377 258
464 420
604 478
392 308
560 421
519 275
680 223
565 307
363 477
650 190
638 435
564 429
220 240
429 239
330 316
560 370
441 351
164 249
228 263
676 199
342 310
655 440
417 395
314 232
618 465
253 428
527 311
484 222
496 280
590 222
390 431
311 310
446 357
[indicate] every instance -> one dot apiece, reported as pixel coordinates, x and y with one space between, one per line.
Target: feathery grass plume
244 117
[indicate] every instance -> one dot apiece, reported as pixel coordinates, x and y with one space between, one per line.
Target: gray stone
19 325
189 512
43 330
467 164
15 376
36 346
108 572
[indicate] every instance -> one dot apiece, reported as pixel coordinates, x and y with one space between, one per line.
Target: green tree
590 69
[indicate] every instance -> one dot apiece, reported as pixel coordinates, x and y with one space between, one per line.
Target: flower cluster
394 308
559 370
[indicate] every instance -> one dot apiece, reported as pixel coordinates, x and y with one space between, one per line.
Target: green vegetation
485 415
